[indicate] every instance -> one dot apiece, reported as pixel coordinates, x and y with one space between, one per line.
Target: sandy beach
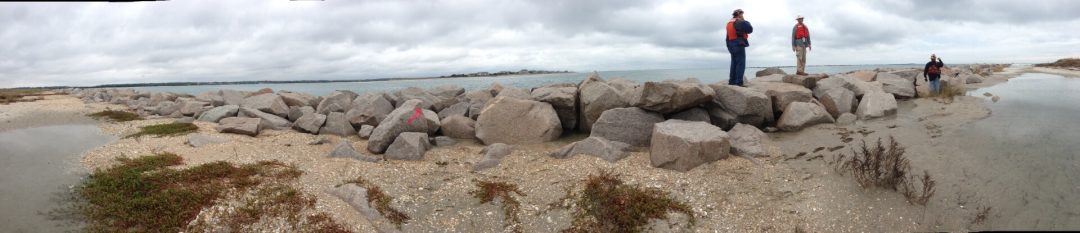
794 188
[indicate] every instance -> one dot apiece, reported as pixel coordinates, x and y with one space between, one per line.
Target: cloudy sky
193 40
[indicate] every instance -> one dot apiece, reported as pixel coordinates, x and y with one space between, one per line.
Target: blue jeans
738 63
935 85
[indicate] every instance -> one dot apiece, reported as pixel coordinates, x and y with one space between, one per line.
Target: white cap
799 17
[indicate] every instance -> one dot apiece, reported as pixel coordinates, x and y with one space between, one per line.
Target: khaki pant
800 55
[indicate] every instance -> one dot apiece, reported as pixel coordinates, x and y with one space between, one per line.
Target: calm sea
711 75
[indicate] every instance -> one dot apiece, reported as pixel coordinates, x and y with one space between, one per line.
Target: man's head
933 57
737 14
799 19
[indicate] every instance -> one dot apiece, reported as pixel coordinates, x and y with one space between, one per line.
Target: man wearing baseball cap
800 42
738 33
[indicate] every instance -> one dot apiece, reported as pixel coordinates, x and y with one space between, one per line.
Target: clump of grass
1065 62
378 199
606 204
886 167
487 191
162 130
15 95
144 195
116 115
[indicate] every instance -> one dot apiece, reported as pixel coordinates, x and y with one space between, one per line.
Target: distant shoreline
452 76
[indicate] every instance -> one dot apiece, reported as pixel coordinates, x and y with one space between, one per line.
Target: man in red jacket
800 42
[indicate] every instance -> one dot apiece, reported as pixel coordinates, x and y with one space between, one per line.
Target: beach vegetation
147 194
1063 63
886 166
380 201
488 191
163 130
607 204
116 116
13 95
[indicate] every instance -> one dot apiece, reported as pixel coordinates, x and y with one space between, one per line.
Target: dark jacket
939 65
742 29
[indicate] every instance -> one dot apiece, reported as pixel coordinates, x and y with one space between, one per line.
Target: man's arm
794 30
925 69
807 38
747 28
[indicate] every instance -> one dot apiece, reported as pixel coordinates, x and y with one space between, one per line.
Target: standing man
932 73
800 42
738 33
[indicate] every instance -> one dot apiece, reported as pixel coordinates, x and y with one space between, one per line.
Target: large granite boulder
298 99
212 97
875 105
564 100
783 94
673 96
725 119
628 125
337 124
295 112
458 109
409 146
427 100
894 84
515 121
971 78
769 71
200 140
514 92
346 150
748 141
864 75
749 106
368 109
268 103
193 107
799 115
808 81
218 113
477 100
447 91
836 82
459 127
166 108
629 90
493 154
338 101
683 145
403 119
839 101
267 120
693 114
310 123
239 125
612 151
595 97
233 97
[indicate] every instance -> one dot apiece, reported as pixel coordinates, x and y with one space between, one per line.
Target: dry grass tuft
378 199
1065 62
886 167
116 116
606 204
487 191
162 130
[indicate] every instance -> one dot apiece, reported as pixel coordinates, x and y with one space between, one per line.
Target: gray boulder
783 94
408 146
477 100
267 120
459 127
627 125
346 150
836 82
612 151
808 81
239 125
218 113
427 100
769 71
846 119
443 141
894 84
338 101
595 97
199 140
629 90
310 123
515 121
295 112
749 106
336 124
368 109
875 105
564 100
458 109
683 145
513 92
447 91
864 75
319 141
233 97
724 119
403 119
365 131
268 103
748 141
212 97
298 99
799 115
167 108
693 114
493 154
673 96
839 101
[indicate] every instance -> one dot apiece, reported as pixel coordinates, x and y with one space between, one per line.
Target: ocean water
711 75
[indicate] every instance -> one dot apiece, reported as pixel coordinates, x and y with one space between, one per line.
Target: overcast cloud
191 40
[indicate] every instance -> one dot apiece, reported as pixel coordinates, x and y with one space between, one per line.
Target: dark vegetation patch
116 116
606 204
1064 62
885 166
145 195
488 191
378 199
8 96
162 130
